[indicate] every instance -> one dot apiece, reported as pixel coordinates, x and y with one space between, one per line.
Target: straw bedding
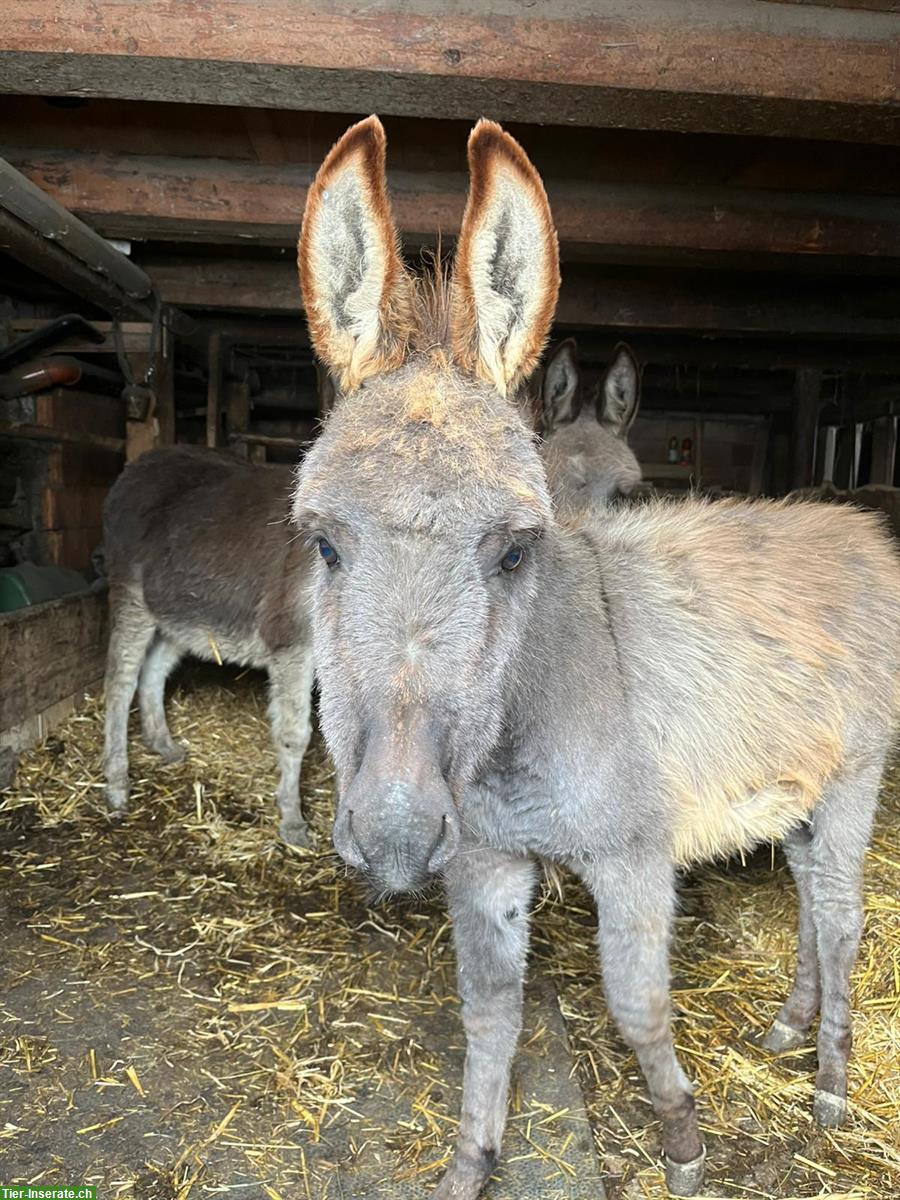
191 1009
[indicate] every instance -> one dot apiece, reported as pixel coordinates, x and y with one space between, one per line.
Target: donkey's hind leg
790 1027
132 629
635 897
162 659
841 826
290 708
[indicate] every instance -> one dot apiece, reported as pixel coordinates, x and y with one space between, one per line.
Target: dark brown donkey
663 684
201 561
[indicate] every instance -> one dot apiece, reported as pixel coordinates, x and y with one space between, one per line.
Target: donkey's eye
328 552
512 558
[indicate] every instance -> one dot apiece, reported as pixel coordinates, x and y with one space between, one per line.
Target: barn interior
725 180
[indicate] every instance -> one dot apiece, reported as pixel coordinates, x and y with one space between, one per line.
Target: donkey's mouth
404 878
399 839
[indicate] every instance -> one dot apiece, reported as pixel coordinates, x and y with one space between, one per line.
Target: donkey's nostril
354 842
445 846
347 844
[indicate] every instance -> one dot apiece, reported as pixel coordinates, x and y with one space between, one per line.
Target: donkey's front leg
290 711
490 901
635 896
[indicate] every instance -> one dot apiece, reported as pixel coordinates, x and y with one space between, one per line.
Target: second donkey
201 561
585 448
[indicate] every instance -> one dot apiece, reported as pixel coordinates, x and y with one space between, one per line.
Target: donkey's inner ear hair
619 395
506 274
560 391
355 289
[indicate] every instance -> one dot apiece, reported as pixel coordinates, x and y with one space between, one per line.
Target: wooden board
72 465
135 336
872 5
73 547
117 130
73 507
208 199
807 399
615 298
80 412
78 437
732 65
50 653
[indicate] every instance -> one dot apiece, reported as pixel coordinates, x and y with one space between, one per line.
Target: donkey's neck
569 657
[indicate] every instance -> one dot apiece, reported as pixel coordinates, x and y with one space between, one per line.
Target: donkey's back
203 538
759 644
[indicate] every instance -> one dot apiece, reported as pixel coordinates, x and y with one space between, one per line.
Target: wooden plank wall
51 654
66 453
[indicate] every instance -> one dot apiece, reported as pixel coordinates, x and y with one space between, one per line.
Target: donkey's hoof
116 800
296 833
465 1177
685 1179
171 753
829 1110
783 1037
168 749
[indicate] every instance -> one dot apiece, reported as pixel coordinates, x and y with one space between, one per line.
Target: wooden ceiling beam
707 65
716 303
148 197
592 298
755 353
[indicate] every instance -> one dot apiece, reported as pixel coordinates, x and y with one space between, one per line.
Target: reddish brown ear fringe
366 141
489 147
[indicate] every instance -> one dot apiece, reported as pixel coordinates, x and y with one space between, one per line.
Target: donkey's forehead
425 446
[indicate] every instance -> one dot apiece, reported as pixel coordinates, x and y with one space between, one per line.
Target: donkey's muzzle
396 836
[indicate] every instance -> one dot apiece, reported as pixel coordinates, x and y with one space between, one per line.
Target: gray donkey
201 561
585 449
661 685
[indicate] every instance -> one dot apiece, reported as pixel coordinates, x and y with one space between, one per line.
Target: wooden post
807 384
140 436
158 429
884 450
857 454
758 462
829 453
697 472
237 407
164 386
214 391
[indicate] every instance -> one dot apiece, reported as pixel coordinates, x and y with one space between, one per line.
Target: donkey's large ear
355 290
560 397
506 275
620 391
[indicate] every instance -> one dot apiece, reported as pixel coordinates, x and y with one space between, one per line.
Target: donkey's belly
714 826
216 645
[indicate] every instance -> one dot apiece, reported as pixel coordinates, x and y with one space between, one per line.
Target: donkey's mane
432 291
